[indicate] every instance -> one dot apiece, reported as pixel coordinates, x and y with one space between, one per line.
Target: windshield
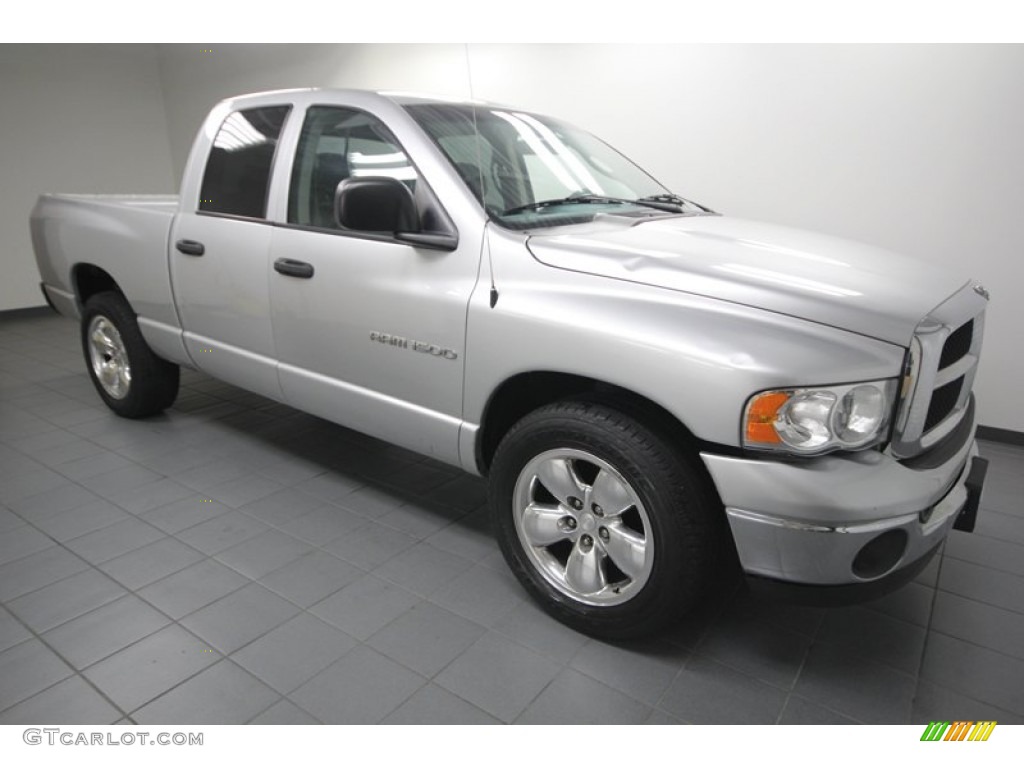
531 171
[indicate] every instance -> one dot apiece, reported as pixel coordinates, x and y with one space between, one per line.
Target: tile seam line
928 630
75 672
973 599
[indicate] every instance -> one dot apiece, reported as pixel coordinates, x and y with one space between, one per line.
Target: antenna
480 170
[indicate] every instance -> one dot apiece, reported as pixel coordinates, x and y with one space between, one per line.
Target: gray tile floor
238 561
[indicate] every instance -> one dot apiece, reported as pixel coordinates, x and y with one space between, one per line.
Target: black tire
678 515
152 383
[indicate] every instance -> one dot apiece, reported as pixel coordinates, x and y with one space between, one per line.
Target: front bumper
844 519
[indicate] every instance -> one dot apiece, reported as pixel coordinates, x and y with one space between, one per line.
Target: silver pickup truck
655 391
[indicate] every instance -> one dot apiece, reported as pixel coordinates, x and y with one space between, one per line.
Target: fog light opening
880 555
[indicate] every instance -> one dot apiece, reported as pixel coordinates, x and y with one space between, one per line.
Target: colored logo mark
960 730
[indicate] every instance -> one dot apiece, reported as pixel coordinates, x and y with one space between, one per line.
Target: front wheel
607 525
128 376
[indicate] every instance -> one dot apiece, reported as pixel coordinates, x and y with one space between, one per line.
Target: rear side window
237 172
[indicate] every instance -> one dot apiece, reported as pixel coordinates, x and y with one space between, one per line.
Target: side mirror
375 204
383 204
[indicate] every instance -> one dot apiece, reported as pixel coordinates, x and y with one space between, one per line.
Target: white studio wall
76 118
911 148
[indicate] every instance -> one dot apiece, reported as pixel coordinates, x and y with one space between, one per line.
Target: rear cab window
237 175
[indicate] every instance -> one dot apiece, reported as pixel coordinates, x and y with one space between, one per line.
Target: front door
369 331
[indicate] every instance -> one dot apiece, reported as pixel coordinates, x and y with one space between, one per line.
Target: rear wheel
608 526
128 376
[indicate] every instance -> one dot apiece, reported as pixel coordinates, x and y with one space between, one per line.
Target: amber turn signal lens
761 416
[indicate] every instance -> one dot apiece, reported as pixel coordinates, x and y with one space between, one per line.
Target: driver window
336 144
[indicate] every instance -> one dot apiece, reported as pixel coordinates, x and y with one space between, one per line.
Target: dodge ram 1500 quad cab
646 384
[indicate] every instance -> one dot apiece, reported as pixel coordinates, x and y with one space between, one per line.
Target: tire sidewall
674 581
154 382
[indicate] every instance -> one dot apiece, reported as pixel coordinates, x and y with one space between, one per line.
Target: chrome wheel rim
109 358
583 527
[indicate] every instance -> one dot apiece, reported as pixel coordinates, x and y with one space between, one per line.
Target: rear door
220 253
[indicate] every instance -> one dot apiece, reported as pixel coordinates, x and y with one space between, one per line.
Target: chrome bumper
807 522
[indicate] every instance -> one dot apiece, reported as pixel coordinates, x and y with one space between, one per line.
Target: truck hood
823 279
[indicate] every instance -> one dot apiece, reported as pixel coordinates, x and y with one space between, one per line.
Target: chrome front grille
942 363
944 400
957 345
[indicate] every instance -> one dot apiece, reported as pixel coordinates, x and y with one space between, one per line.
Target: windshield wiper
676 200
577 198
657 204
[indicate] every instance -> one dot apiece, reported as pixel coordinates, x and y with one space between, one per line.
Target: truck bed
157 202
125 234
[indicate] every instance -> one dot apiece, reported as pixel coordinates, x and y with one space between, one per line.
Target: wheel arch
88 279
518 395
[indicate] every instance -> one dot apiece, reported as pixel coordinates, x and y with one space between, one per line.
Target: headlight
820 419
